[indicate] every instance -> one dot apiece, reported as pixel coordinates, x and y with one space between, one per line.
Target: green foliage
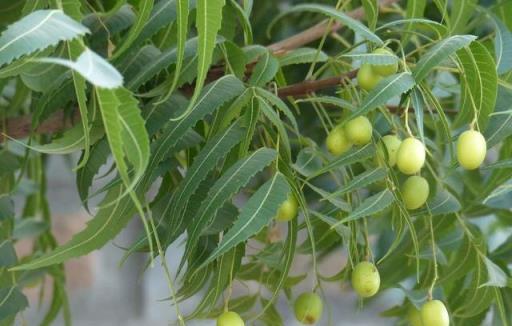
192 99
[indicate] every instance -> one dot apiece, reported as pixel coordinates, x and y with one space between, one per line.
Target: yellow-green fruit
415 191
410 156
365 279
308 308
391 143
414 317
337 142
471 149
434 313
230 318
366 78
359 130
288 210
385 70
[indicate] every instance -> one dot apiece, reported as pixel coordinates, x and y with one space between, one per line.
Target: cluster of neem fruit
409 156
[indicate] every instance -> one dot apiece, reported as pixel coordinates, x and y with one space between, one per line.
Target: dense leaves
192 120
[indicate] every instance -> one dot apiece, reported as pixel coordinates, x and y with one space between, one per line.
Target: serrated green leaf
481 81
37 31
145 8
265 70
371 10
213 96
495 275
504 164
438 53
443 203
236 177
502 46
350 22
371 205
107 223
92 67
362 180
12 301
259 210
418 103
500 197
352 156
373 58
208 24
166 59
460 14
207 159
500 124
302 55
385 90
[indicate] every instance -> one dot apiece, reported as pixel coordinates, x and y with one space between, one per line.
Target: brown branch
318 31
310 86
20 127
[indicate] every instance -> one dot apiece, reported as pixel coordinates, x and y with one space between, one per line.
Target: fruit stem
433 240
406 117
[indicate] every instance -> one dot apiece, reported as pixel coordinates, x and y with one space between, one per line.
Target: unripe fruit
415 191
471 149
391 143
288 210
337 142
308 308
410 156
414 317
434 313
366 78
385 70
359 131
230 318
365 279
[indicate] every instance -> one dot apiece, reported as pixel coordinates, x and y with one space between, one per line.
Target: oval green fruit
410 156
337 142
391 143
415 191
288 210
359 130
434 313
385 70
308 308
471 149
366 78
365 279
414 317
230 318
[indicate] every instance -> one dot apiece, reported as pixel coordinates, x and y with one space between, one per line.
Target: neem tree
366 132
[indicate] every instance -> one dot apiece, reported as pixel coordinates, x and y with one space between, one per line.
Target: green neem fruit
366 279
414 317
471 149
308 308
288 210
385 70
410 156
391 143
359 130
415 191
337 142
230 318
434 313
366 78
